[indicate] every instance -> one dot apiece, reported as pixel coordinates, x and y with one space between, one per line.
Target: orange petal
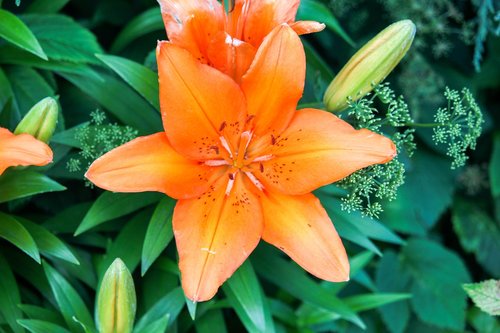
231 56
197 102
258 18
275 81
22 150
215 233
149 163
300 227
191 24
307 27
317 149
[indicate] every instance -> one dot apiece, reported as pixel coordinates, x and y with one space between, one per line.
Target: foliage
415 229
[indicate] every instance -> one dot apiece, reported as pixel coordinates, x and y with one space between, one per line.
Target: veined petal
317 149
215 233
300 227
149 163
258 18
307 27
22 150
191 24
275 81
198 104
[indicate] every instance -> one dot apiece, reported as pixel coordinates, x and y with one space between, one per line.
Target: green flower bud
370 65
41 120
116 300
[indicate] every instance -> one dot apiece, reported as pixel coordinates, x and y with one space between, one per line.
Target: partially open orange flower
242 162
22 150
228 41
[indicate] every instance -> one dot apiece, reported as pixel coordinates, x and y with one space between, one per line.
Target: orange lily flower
228 41
22 150
243 162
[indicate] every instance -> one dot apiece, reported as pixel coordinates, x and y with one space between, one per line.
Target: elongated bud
41 120
370 65
116 300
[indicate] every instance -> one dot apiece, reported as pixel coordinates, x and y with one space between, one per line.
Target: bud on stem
41 120
116 300
370 65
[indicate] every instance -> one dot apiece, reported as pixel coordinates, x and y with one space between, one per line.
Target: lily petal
300 227
191 24
22 150
317 149
307 27
198 102
150 163
215 233
275 81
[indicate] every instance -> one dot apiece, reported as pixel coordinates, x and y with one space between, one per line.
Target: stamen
225 144
254 180
263 158
222 126
246 137
230 184
216 162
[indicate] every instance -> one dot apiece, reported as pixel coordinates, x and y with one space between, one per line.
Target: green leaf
119 99
112 205
38 312
170 304
391 276
211 321
40 326
14 232
160 325
426 194
438 274
313 10
371 301
495 166
48 243
478 233
6 92
139 77
142 24
9 295
62 38
486 295
16 32
69 302
23 183
46 6
159 233
247 298
482 322
294 280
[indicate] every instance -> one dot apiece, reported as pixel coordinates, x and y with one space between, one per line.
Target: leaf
40 326
49 244
438 273
16 32
495 166
159 233
170 304
426 194
119 99
317 11
14 232
21 184
46 6
392 277
478 233
139 77
371 301
62 38
112 205
9 295
142 24
294 280
486 295
160 325
211 321
247 298
69 302
38 312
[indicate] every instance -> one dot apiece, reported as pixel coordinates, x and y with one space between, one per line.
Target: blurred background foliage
58 235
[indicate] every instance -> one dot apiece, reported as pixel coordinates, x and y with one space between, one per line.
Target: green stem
425 124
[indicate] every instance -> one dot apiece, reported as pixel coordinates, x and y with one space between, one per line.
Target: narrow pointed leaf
13 231
40 326
371 301
21 184
171 304
9 296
